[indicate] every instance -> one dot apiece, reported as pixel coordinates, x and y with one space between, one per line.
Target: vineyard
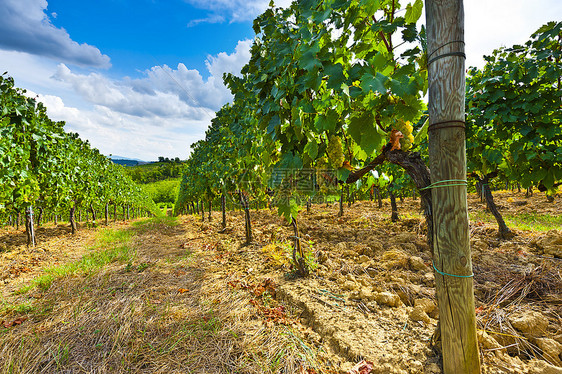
365 204
48 173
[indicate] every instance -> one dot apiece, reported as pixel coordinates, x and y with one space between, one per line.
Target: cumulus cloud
163 91
230 63
234 10
25 27
120 97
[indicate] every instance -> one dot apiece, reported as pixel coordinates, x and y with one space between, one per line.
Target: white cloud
28 68
163 92
235 10
213 18
25 27
233 63
121 98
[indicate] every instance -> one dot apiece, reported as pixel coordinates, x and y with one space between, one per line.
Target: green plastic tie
451 275
438 184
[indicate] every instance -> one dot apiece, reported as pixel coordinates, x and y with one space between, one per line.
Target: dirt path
166 310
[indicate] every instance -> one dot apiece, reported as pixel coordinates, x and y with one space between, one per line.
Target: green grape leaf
311 148
414 11
287 208
326 121
335 76
370 83
422 132
290 161
338 4
345 88
273 123
365 132
309 62
342 174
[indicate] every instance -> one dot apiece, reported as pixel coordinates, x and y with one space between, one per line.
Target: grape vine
46 168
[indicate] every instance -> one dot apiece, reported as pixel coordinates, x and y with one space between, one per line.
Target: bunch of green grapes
406 129
335 151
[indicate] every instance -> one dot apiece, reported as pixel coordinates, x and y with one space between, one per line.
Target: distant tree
166 159
161 159
177 160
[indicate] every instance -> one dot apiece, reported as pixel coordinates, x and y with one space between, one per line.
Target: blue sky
138 34
143 78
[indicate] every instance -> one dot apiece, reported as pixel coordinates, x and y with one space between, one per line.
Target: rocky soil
372 295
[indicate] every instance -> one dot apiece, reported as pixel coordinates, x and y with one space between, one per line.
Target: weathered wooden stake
223 208
71 218
393 207
340 213
29 229
447 158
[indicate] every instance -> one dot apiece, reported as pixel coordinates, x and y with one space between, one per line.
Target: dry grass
511 289
163 310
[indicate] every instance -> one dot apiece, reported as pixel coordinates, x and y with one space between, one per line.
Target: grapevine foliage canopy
326 83
514 112
42 165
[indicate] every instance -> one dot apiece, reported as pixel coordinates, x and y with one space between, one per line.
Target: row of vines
45 171
333 95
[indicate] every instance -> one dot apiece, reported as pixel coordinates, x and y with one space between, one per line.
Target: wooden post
29 229
223 208
71 218
93 215
340 213
447 158
393 207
